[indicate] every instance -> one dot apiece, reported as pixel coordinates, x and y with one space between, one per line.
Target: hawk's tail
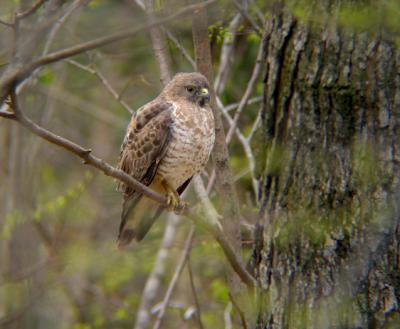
136 219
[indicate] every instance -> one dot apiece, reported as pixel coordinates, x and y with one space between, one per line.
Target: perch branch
108 170
83 153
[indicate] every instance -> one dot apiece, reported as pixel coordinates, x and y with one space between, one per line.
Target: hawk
167 142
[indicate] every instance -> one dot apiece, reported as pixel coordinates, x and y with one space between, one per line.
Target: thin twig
196 299
227 54
30 10
83 153
50 38
246 15
72 100
246 146
249 89
155 277
181 48
227 316
159 44
240 312
118 36
170 35
6 24
211 223
104 81
60 22
258 12
18 73
178 271
233 106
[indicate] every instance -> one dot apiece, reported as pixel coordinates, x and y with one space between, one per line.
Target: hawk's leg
174 202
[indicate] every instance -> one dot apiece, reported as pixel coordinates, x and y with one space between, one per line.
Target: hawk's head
192 87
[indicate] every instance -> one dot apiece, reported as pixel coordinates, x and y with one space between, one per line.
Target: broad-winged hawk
167 142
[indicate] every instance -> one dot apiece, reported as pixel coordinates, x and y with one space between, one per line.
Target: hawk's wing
145 143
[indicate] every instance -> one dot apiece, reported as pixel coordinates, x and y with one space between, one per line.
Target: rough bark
329 173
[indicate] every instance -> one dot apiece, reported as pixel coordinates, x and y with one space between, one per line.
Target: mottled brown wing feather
145 143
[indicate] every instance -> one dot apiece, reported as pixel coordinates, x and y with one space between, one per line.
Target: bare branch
178 271
215 228
246 146
233 106
104 81
30 10
59 23
50 38
159 44
247 93
240 312
227 316
83 153
169 34
6 24
179 46
220 155
154 280
246 15
258 11
196 300
226 57
18 73
100 42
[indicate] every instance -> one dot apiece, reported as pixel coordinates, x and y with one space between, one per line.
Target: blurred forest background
310 103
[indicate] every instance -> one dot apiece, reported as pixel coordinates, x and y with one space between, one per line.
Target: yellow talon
174 202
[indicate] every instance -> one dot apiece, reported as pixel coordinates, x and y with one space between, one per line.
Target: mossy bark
329 178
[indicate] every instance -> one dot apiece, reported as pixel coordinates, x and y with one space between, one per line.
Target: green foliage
220 291
218 33
46 77
11 221
55 206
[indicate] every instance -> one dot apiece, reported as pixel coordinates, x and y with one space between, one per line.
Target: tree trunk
329 177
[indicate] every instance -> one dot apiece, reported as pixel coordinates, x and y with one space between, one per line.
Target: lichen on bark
329 177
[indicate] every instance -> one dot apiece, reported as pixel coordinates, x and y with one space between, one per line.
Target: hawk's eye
190 89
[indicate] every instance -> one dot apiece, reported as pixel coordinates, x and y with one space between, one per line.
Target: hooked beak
204 96
204 92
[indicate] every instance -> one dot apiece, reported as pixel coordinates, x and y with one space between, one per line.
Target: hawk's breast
192 140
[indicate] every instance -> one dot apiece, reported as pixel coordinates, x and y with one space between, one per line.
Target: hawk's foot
174 202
